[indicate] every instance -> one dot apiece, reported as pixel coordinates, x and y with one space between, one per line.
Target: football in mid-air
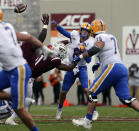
19 8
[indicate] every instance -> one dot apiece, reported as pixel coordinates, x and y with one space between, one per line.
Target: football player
38 64
80 42
114 73
16 72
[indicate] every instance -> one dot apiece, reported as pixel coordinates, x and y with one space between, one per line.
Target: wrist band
45 26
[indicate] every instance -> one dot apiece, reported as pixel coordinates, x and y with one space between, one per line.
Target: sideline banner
130 46
69 21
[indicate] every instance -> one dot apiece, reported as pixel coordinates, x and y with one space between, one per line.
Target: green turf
79 111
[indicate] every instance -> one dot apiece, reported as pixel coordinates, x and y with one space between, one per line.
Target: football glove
76 70
95 67
45 19
47 52
77 59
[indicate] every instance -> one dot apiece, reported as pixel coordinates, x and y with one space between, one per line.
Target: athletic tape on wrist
45 26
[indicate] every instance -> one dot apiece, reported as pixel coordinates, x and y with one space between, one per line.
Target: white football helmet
60 50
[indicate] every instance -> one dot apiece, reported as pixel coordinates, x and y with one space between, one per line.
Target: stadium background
115 13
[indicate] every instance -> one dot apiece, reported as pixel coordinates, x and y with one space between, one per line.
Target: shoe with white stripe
10 122
58 114
95 115
84 122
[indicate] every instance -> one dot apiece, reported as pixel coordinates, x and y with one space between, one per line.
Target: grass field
111 119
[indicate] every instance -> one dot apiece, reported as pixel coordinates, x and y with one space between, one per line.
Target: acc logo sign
132 43
73 21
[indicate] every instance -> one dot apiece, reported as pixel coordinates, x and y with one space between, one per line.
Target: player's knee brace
128 102
92 98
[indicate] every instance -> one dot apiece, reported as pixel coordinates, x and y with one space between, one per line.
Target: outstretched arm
67 67
28 38
61 29
43 33
35 42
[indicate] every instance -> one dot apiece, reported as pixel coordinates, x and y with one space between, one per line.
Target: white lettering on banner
9 4
66 20
74 17
73 21
83 18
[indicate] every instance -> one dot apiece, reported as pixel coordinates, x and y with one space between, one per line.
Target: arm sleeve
42 35
63 31
94 50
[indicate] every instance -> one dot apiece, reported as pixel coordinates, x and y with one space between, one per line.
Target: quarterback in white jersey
75 43
114 73
80 42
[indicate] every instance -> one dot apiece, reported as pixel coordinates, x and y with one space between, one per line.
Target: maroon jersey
37 64
42 66
29 54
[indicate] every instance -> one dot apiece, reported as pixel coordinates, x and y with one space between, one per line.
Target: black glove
95 67
45 19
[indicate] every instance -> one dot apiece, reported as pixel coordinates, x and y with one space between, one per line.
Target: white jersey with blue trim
75 43
10 52
109 54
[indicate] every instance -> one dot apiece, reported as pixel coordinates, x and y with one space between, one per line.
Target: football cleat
84 122
29 101
10 121
98 26
58 114
95 115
